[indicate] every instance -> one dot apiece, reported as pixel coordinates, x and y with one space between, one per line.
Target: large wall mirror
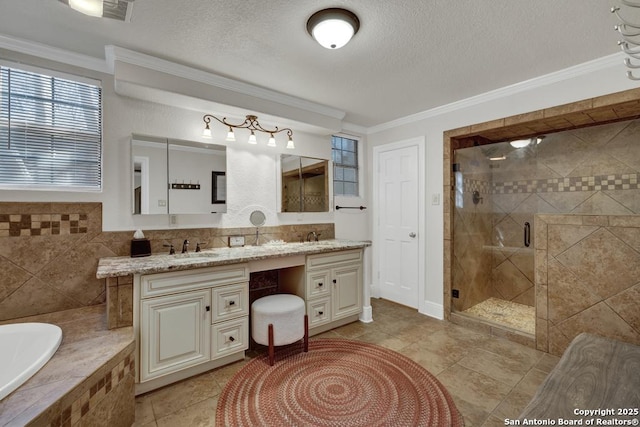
173 176
305 184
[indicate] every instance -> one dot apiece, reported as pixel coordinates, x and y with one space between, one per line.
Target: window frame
358 166
62 187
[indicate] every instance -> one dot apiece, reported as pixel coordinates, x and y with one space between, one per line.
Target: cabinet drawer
333 259
186 280
229 337
318 283
230 301
319 311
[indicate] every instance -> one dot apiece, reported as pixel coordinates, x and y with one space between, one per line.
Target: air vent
114 9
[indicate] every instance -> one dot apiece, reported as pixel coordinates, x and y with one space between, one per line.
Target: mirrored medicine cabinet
172 176
305 184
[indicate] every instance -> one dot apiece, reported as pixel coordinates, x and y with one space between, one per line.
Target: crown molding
115 53
534 83
53 53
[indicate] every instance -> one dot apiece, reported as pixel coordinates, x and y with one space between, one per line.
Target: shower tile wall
592 170
49 253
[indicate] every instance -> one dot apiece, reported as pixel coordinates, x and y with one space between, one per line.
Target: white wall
251 170
569 86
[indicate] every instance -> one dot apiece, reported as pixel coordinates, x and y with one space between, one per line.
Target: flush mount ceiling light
333 28
88 7
114 9
251 123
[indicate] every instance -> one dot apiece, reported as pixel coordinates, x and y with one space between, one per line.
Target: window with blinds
344 152
50 132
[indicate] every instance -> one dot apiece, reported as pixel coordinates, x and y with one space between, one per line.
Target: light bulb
290 145
272 141
333 33
252 138
88 7
206 133
230 136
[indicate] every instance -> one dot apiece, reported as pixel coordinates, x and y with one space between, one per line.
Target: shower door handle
527 234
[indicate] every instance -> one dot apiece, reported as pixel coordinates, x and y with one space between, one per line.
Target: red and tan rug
337 383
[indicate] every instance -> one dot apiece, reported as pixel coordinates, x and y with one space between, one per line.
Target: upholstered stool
279 320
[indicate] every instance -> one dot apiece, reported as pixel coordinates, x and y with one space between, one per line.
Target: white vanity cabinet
331 287
190 321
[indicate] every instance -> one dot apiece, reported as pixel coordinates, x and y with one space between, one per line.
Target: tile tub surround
49 253
88 381
587 276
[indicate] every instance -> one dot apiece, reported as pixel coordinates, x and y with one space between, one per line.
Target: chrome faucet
312 234
172 250
185 246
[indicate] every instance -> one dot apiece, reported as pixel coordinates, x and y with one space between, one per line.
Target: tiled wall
587 278
591 170
49 253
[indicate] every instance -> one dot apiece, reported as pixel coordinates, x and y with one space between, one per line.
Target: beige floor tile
432 362
384 340
144 411
504 369
185 393
201 414
531 381
478 370
547 362
473 387
493 421
512 405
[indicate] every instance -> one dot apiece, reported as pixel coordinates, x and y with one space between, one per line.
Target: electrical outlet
173 219
455 293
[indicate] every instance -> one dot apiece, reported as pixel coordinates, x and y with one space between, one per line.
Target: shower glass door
495 202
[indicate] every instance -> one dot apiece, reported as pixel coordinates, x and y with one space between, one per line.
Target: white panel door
398 225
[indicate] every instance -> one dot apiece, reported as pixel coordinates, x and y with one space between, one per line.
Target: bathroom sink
194 255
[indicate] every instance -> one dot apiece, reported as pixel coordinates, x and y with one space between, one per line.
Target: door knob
412 234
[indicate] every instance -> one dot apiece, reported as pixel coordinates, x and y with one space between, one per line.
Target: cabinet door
347 291
174 333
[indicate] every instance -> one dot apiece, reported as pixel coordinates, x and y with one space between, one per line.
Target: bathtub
24 349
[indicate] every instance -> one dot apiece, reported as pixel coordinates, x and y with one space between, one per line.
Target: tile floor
489 378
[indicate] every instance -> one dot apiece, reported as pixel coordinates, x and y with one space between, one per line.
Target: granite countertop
123 266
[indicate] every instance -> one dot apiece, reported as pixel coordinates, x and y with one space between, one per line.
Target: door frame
419 142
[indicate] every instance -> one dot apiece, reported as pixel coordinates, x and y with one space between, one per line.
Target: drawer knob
207 308
335 281
319 285
320 313
232 302
232 339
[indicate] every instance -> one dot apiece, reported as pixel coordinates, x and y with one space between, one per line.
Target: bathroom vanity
190 312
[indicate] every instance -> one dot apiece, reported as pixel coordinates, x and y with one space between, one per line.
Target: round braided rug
338 382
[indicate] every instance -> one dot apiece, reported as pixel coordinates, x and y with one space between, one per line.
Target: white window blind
50 132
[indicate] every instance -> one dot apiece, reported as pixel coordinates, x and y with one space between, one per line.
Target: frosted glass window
50 132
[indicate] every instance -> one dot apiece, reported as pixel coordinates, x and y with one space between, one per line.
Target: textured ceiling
409 55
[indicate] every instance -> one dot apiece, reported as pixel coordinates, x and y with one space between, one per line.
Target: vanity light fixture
251 123
333 27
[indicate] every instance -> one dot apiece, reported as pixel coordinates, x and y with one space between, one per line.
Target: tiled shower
500 188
